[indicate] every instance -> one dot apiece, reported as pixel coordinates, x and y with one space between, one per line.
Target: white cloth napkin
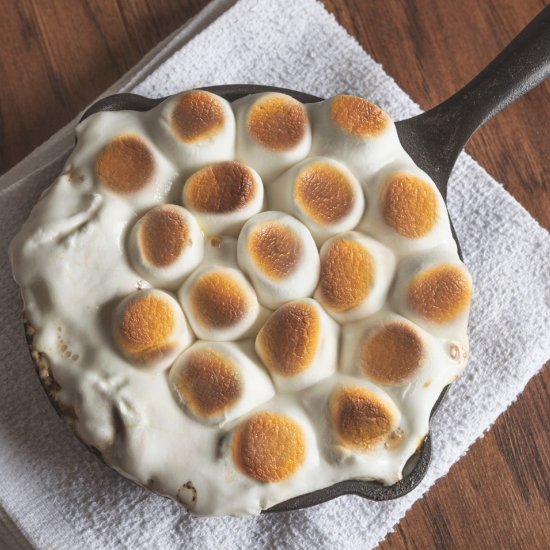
60 496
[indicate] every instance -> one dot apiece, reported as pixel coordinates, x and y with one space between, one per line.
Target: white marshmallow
273 132
405 209
433 289
356 273
165 245
220 304
222 196
354 131
116 154
217 382
196 128
279 255
322 193
150 329
298 344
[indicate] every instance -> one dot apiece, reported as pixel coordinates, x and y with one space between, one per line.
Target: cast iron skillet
434 140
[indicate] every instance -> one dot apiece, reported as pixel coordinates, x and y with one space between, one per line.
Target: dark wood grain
56 56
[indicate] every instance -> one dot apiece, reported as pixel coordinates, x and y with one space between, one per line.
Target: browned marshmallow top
145 328
197 115
409 205
440 293
324 193
275 249
347 275
288 341
391 354
163 235
360 418
269 447
220 188
219 300
126 164
277 122
357 116
210 383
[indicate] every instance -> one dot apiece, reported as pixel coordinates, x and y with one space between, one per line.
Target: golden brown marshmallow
150 329
288 341
223 196
347 275
361 420
391 354
279 255
269 447
220 303
210 383
165 245
358 116
126 164
277 122
275 249
273 132
440 293
409 205
197 115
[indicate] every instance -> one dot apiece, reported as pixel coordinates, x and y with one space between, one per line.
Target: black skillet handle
435 138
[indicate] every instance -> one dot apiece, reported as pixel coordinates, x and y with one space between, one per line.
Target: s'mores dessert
239 303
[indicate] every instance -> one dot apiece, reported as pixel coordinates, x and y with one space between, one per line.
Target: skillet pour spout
434 140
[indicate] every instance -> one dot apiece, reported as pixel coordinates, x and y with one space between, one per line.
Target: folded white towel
61 496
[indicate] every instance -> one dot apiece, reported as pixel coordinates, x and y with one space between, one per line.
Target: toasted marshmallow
223 196
219 381
386 348
434 290
355 131
363 417
406 210
322 193
356 273
279 255
130 168
390 350
274 444
150 329
220 303
115 155
165 245
273 132
298 344
196 128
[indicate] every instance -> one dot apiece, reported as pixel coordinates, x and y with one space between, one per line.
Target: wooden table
57 56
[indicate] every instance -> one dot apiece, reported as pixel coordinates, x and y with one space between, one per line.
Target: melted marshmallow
165 245
343 408
322 193
279 255
273 132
